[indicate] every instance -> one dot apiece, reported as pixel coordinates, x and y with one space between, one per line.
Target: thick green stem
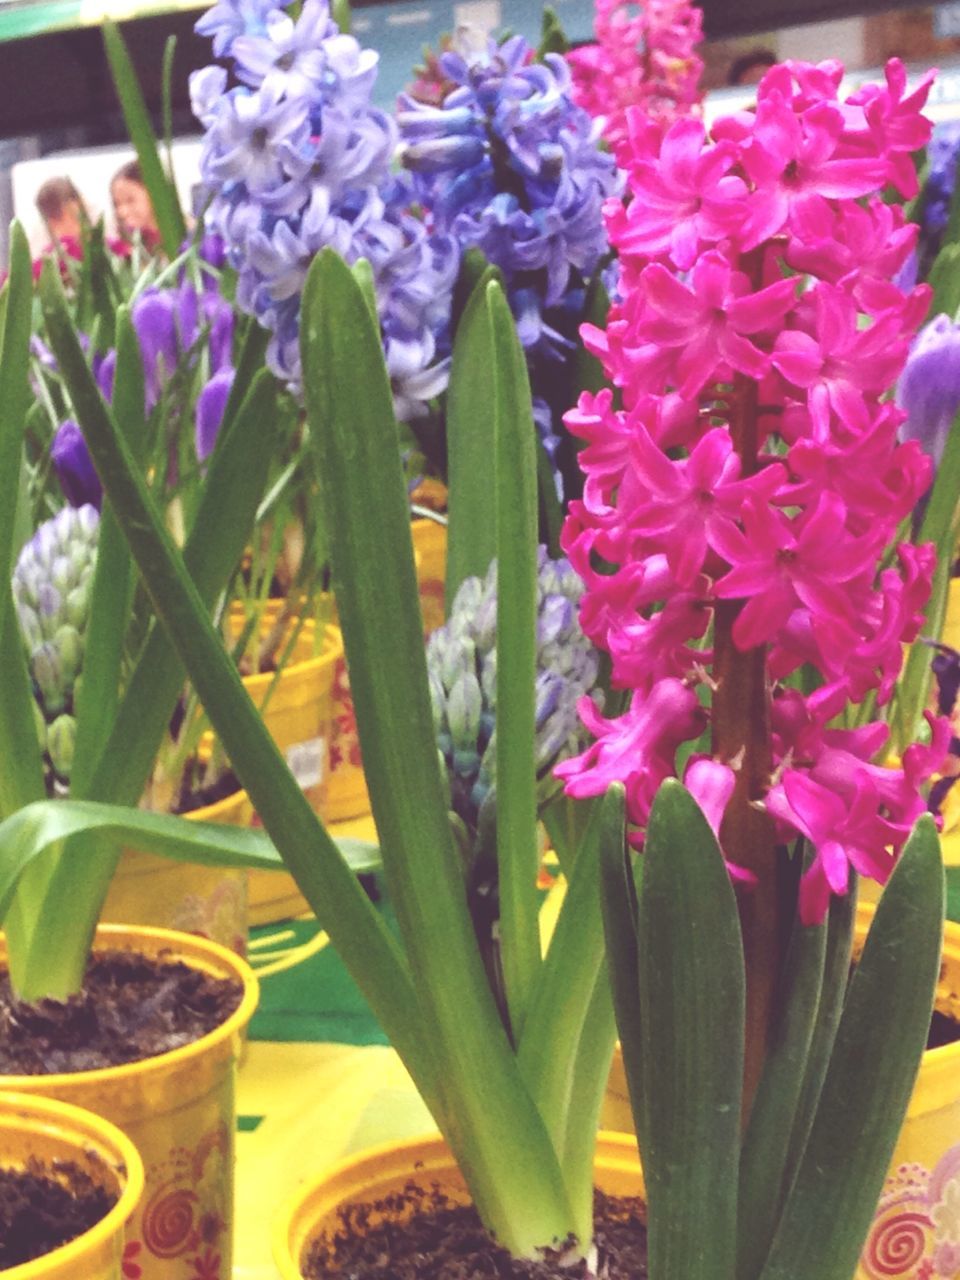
741 735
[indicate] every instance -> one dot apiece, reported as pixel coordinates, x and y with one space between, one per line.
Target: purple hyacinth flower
74 467
929 387
232 18
155 320
211 404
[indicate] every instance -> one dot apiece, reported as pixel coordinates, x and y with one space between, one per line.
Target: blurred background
59 118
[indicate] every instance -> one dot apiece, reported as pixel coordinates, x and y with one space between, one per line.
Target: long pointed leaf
113 581
565 987
833 987
692 1010
21 767
764 1166
356 930
880 1040
471 464
619 888
31 831
496 1132
163 192
516 522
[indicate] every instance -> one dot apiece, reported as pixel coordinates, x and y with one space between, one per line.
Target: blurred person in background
61 207
751 67
132 206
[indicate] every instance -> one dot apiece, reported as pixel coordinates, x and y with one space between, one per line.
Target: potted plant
57 857
70 1182
517 1098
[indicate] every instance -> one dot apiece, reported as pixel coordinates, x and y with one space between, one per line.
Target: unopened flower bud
47 674
61 740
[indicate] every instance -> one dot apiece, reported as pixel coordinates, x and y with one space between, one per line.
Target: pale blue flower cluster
296 158
510 164
462 668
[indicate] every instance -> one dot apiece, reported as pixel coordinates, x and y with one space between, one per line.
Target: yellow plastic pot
916 1231
33 1128
430 545
210 902
384 1171
298 713
179 1110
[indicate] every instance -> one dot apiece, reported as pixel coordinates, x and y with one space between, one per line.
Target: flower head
296 158
752 477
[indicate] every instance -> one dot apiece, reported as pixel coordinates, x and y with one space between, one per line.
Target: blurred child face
132 206
67 224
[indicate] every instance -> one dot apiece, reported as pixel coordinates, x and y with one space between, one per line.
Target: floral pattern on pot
183 1214
916 1231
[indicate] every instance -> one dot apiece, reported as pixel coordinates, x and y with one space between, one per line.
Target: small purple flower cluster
176 329
296 158
511 165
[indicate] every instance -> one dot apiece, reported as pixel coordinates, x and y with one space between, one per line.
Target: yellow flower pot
210 902
430 545
34 1128
916 1231
386 1170
299 716
179 1110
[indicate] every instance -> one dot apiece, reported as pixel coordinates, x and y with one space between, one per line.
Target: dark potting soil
444 1241
195 795
131 1008
38 1213
943 1030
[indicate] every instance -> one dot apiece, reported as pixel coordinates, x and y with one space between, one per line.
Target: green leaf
21 766
471 463
953 894
496 1131
939 526
833 989
21 771
692 1013
879 1043
516 525
568 1037
553 38
113 580
620 886
163 192
363 274
764 1170
341 15
166 82
253 354
33 830
368 949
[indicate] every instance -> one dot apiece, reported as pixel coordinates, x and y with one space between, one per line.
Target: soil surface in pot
38 1213
195 794
943 1030
444 1241
131 1008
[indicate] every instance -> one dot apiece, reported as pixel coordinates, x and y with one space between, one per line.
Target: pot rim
331 652
427 1153
112 1145
219 961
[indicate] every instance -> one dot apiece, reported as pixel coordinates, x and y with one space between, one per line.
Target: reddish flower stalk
742 500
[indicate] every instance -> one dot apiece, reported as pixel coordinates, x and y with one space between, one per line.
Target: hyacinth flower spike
755 1164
